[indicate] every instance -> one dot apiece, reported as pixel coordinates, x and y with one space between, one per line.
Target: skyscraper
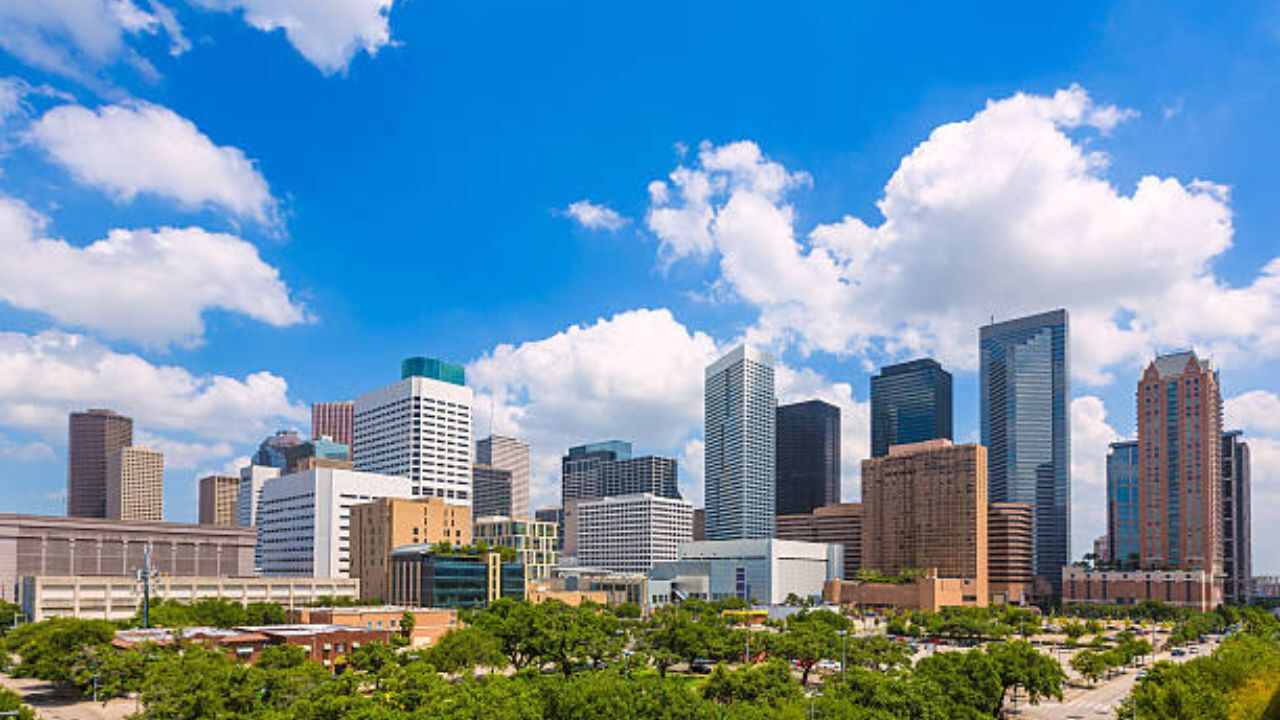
218 500
1180 465
808 457
1237 531
910 403
419 428
740 434
93 437
1025 379
581 470
273 451
333 420
135 484
512 455
492 491
1122 505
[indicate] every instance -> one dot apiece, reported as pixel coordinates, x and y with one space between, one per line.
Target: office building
333 420
648 474
423 577
512 455
93 437
135 484
534 542
1010 551
740 442
1237 531
699 524
272 451
45 546
807 457
380 526
757 571
629 533
321 452
910 403
252 478
553 515
218 500
492 491
419 428
304 519
1025 414
925 507
1122 505
839 524
1190 589
581 475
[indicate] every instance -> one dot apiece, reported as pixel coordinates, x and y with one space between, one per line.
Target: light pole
844 650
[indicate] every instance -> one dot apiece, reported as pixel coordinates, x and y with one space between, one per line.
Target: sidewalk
53 703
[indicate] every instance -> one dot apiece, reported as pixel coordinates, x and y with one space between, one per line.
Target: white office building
419 428
740 434
630 533
757 571
304 519
252 478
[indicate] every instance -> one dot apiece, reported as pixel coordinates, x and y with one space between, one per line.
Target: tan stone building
218 500
381 526
429 625
1192 589
1010 552
929 593
135 484
839 524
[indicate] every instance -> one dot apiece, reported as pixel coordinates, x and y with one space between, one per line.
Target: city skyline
350 222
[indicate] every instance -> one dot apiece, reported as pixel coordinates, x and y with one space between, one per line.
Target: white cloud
181 454
1091 434
1006 213
595 217
1254 411
45 376
328 33
139 148
33 451
150 285
1264 457
692 462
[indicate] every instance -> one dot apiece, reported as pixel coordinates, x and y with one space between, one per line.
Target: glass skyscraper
740 436
910 402
1025 395
808 457
1122 505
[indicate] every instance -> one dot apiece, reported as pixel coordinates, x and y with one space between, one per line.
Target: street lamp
844 650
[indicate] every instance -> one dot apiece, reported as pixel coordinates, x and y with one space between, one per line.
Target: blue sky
281 216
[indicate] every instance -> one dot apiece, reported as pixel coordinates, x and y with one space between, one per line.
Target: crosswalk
1081 708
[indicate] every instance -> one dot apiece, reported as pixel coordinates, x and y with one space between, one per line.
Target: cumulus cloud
328 33
595 217
149 285
45 376
1006 213
1091 434
180 454
139 148
32 451
1254 411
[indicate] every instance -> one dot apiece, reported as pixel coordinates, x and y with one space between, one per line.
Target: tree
1090 665
769 683
10 701
1021 665
408 621
49 649
466 649
970 680
514 625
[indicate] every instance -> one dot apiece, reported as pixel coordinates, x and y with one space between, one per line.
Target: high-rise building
807 458
492 491
1237 531
135 484
333 420
1122 505
1025 380
534 542
419 428
1101 549
740 422
839 524
553 515
925 507
699 524
248 494
581 470
910 403
607 469
273 452
93 436
1010 544
380 526
1180 465
629 533
317 452
510 454
218 500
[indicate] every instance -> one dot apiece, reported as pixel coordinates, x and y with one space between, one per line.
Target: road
51 703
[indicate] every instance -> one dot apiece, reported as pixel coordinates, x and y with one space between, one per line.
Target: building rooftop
301 630
434 369
920 447
1175 363
910 366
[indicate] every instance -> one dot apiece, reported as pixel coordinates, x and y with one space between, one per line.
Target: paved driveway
53 703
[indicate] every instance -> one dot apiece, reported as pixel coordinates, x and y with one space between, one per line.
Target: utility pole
145 576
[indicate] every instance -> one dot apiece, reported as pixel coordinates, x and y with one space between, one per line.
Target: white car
831 665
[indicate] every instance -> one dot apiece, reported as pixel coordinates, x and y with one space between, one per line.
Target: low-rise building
422 577
1193 589
618 588
924 592
329 645
760 571
385 524
429 625
534 542
540 592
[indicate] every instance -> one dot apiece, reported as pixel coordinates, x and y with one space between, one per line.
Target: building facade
510 454
925 508
93 436
1237 518
839 524
1191 589
421 577
419 428
381 526
272 451
581 473
1010 553
304 519
630 533
317 452
740 435
1025 413
807 457
333 420
910 403
757 571
135 484
492 491
1122 505
648 474
534 542
553 515
218 495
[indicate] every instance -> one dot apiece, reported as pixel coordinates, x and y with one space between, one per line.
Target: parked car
1179 652
701 666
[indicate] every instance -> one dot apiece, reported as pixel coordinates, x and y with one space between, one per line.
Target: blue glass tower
1122 505
1026 426
910 402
